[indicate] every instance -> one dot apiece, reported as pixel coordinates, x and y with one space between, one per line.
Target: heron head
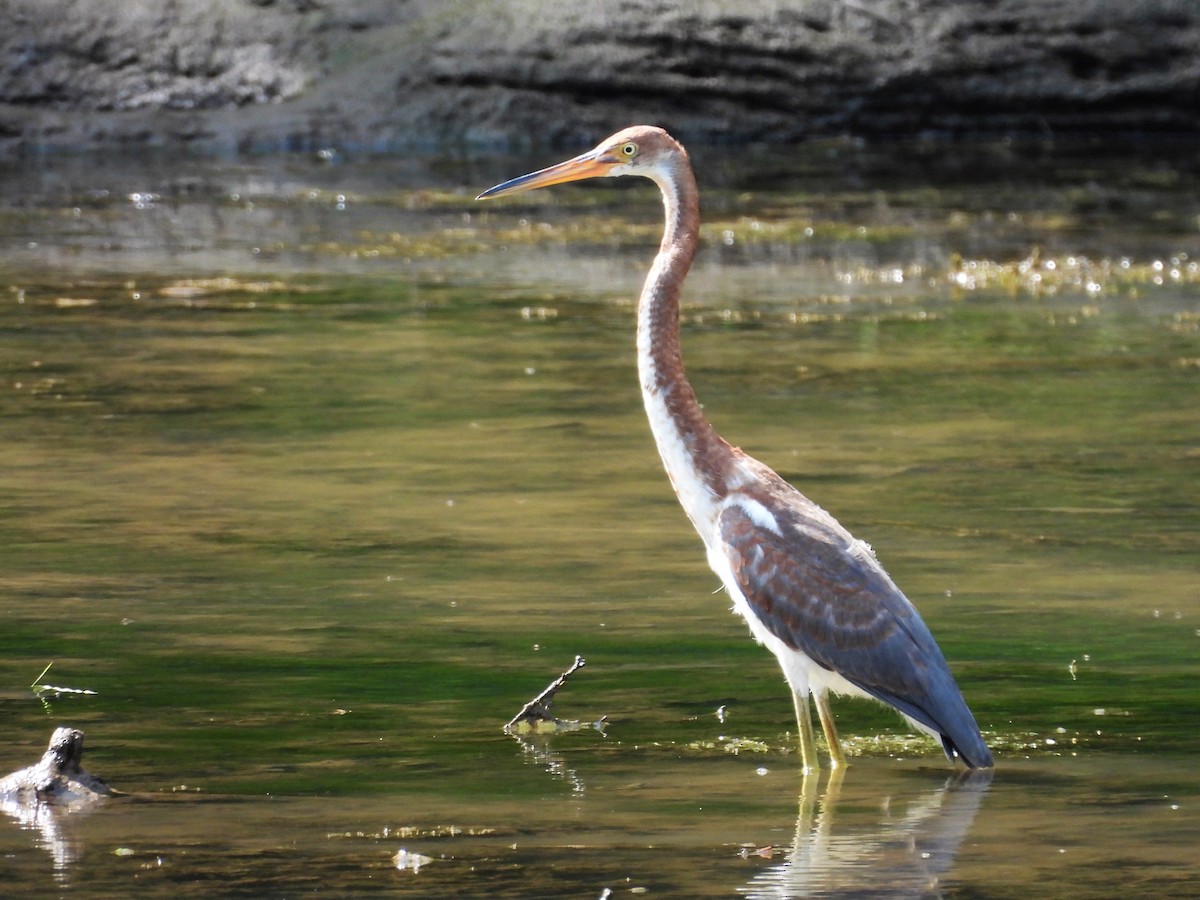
640 150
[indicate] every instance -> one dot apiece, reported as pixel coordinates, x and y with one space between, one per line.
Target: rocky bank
245 75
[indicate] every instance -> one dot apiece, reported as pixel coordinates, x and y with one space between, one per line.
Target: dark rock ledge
426 74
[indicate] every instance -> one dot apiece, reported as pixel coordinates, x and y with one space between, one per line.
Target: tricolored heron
815 596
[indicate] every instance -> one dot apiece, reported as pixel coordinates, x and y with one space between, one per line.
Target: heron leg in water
836 759
808 743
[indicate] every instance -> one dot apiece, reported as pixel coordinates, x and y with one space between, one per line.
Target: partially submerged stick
44 691
535 715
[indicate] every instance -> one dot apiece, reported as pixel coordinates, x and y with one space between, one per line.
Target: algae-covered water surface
314 474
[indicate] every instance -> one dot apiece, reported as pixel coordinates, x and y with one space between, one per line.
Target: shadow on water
313 477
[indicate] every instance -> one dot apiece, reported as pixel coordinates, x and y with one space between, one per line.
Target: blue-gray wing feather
823 593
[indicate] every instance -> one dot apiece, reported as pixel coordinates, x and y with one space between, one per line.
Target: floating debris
405 859
143 199
47 692
734 745
1038 275
188 288
764 852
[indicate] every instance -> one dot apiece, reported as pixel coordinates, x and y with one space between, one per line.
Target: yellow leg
836 759
808 743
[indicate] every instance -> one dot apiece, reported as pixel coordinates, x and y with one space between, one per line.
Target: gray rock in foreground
58 778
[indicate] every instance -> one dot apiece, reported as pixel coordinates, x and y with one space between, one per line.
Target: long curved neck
697 460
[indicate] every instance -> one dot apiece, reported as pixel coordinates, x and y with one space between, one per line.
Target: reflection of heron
810 592
905 854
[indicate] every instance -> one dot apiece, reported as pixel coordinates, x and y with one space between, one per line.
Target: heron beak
589 165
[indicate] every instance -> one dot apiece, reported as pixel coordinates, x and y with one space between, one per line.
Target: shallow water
314 477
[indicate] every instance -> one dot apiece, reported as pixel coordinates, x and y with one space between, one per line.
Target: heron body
811 593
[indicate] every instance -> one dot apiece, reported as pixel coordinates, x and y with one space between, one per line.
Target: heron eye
629 151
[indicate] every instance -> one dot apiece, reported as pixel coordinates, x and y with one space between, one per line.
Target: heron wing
822 592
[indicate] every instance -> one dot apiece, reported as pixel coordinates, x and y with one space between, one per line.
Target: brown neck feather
660 358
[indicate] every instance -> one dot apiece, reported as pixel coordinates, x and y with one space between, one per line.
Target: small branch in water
41 690
536 715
